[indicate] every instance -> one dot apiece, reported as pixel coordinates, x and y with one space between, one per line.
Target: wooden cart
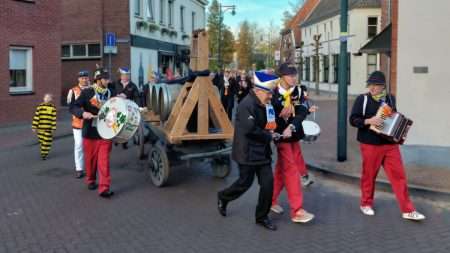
197 127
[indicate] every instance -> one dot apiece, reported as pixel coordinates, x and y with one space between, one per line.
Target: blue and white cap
124 71
265 81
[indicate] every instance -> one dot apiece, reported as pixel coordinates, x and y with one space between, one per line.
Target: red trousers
96 156
287 173
388 156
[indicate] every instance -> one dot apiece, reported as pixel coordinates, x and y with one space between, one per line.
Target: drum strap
364 105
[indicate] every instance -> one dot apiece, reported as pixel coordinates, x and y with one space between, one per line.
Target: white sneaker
367 210
277 209
414 215
302 216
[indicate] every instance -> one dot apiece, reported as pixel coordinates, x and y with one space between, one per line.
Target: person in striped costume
44 124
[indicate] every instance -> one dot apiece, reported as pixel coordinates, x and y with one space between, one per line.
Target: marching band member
254 125
44 124
96 149
126 89
77 124
290 110
377 151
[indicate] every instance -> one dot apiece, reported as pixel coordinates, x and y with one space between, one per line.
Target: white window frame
150 11
29 70
376 26
182 14
370 64
87 56
161 11
171 12
193 17
137 8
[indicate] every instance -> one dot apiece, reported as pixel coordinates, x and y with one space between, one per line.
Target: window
307 69
193 21
371 63
336 68
325 28
137 7
149 10
326 67
372 24
20 69
65 51
81 51
182 18
161 11
171 13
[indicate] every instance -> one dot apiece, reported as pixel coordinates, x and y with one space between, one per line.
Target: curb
416 190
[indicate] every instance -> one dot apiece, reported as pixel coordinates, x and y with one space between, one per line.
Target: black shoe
92 186
106 194
79 174
267 223
125 145
222 206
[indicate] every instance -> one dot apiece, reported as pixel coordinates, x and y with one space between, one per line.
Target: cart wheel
158 165
221 167
139 140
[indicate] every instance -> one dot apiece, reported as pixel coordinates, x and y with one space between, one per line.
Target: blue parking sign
110 39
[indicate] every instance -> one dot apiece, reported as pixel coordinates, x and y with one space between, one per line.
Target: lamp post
342 88
222 9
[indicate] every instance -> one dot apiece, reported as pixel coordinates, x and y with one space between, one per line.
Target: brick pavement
44 209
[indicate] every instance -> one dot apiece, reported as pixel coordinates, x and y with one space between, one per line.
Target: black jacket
251 142
301 111
365 135
86 103
131 91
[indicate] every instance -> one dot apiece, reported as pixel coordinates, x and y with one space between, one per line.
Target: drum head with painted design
112 117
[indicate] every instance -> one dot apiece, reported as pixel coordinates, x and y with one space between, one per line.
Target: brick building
151 35
30 61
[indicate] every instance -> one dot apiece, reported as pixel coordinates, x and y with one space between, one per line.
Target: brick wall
35 25
301 15
88 21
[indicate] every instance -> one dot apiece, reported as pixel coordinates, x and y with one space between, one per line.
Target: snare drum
118 119
311 130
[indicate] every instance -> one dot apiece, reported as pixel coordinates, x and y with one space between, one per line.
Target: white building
160 34
423 89
364 23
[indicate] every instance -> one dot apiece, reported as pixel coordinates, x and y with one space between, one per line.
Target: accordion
395 125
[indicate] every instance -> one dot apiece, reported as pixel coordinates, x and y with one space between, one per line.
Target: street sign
110 39
110 43
110 50
277 55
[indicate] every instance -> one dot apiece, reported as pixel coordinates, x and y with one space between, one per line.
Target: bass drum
311 130
118 119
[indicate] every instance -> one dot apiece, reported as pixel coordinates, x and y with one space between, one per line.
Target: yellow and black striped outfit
44 121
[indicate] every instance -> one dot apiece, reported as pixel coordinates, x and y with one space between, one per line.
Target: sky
259 11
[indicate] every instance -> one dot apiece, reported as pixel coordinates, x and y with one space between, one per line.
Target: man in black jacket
251 150
377 151
96 149
125 88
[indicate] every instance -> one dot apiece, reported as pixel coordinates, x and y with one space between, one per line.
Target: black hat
101 73
83 73
287 69
377 78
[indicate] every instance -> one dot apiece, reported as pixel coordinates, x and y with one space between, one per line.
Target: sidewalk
322 155
21 135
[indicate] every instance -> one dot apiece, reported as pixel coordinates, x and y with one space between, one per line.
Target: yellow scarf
381 96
